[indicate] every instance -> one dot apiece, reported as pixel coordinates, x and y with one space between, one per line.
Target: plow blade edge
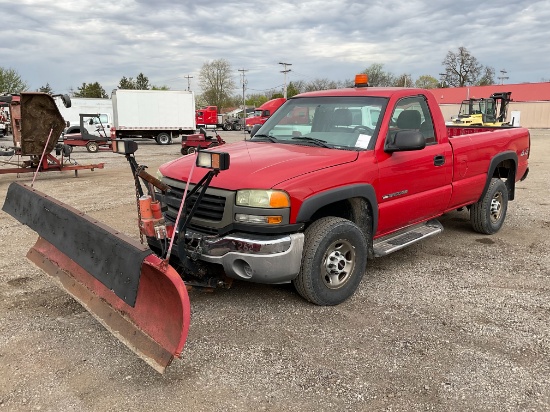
133 293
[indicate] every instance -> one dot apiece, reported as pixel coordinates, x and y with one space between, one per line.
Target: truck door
414 185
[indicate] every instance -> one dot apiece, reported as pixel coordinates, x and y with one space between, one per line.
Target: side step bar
388 244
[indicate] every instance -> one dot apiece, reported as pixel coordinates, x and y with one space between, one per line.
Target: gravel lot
457 322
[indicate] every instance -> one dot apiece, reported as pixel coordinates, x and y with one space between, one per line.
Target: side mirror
255 129
406 140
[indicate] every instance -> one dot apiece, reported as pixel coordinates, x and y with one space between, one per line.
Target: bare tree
403 80
11 81
488 77
463 69
216 81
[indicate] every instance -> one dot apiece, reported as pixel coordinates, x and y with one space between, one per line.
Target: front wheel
92 147
227 127
487 215
333 262
163 139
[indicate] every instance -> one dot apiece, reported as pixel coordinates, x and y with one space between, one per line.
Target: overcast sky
68 42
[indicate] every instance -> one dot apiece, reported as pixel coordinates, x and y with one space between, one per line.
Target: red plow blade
133 293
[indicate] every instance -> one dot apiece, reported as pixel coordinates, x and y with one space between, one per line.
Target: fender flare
495 161
317 201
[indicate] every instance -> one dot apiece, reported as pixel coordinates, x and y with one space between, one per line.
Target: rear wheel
236 126
163 139
487 215
191 150
92 147
333 262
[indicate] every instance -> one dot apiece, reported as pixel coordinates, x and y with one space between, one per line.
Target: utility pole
285 71
502 77
244 103
188 82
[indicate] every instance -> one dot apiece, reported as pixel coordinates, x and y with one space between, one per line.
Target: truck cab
262 113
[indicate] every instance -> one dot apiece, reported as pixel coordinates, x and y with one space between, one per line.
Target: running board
396 241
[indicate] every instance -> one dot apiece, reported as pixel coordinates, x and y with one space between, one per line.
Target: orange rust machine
36 125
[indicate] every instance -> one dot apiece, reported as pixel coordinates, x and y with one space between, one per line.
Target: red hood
261 165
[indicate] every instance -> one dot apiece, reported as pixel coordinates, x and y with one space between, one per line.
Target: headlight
159 175
263 198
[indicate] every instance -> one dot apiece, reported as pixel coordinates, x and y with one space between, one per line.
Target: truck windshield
335 122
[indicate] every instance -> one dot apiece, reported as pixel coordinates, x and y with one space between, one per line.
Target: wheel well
357 210
506 170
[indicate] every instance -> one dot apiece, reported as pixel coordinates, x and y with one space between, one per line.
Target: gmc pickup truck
309 203
333 178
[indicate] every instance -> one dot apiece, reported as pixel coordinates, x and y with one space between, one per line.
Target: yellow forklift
484 112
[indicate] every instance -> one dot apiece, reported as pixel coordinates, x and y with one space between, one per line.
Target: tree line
216 79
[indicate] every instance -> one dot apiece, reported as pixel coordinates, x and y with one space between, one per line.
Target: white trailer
157 114
102 107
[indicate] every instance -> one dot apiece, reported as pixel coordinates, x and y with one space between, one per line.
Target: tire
333 261
236 127
163 139
191 150
227 127
487 216
92 147
183 151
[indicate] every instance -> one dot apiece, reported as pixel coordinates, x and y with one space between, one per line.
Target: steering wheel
362 128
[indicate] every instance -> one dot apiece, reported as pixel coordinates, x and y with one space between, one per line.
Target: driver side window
412 113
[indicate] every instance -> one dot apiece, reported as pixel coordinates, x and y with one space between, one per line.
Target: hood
261 165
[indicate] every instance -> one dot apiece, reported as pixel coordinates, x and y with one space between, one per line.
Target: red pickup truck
332 178
367 172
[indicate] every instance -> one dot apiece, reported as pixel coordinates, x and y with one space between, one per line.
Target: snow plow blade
137 296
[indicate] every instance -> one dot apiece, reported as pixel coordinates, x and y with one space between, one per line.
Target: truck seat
409 119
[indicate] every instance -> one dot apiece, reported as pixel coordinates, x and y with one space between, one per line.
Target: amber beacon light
361 80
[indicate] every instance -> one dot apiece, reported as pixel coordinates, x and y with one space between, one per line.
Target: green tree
11 81
463 69
378 77
164 87
142 82
127 83
91 90
256 100
216 81
292 90
46 89
426 82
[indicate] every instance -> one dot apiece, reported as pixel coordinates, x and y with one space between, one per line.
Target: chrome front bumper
257 258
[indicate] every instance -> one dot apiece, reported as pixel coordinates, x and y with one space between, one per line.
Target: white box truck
156 114
79 105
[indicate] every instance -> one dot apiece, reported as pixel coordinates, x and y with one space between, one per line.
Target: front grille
210 208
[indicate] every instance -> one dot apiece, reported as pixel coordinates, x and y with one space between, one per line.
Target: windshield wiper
318 142
264 136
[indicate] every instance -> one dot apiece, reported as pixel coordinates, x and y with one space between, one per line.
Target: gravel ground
456 322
